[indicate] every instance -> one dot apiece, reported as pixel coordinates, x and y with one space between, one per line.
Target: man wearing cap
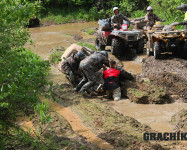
117 18
150 18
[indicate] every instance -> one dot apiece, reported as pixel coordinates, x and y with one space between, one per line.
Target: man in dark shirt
117 18
71 65
88 67
150 18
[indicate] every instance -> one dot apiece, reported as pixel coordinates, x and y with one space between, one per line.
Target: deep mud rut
169 73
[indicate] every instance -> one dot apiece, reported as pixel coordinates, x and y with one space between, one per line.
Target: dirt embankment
170 74
180 121
161 81
122 132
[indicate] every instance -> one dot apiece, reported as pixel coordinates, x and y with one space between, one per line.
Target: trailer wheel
156 50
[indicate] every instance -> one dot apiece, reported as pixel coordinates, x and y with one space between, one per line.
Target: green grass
87 45
90 31
136 92
55 57
62 16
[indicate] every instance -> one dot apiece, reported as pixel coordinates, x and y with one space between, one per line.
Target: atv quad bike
121 41
166 38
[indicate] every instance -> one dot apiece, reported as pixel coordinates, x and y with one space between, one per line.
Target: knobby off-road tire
140 46
184 51
148 52
115 47
98 44
156 50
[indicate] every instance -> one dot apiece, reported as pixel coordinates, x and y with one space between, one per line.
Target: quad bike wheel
115 47
185 50
148 48
156 50
98 44
140 46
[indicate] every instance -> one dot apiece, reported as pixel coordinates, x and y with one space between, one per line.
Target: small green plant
136 92
42 109
91 31
55 57
86 45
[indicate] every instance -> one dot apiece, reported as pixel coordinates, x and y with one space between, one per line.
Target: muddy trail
120 123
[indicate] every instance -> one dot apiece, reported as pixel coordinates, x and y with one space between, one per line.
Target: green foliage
138 13
19 139
13 17
42 109
91 31
22 72
86 45
167 9
55 57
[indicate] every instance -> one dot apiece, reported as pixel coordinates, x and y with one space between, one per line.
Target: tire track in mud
77 125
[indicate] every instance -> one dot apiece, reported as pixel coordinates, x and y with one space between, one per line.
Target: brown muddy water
46 38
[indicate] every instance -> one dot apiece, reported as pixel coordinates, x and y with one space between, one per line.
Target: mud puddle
158 117
47 38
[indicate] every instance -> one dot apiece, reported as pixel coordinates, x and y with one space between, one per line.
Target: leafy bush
167 9
22 72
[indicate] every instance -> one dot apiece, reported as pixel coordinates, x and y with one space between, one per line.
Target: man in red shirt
111 79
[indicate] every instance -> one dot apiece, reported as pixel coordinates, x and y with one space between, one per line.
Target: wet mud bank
170 74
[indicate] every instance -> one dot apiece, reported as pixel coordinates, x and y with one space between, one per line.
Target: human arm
124 75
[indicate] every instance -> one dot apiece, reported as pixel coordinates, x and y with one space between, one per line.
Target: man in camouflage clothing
88 67
183 8
71 65
117 18
150 18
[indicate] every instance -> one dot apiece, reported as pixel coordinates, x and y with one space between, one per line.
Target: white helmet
115 8
149 8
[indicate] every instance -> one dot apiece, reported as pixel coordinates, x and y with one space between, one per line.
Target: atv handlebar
179 23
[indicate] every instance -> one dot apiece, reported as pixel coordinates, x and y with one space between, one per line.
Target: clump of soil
170 73
143 91
180 120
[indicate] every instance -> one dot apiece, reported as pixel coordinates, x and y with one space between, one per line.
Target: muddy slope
170 74
180 120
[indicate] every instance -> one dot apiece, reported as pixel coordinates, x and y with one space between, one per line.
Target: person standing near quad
183 8
70 67
88 67
150 18
117 18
